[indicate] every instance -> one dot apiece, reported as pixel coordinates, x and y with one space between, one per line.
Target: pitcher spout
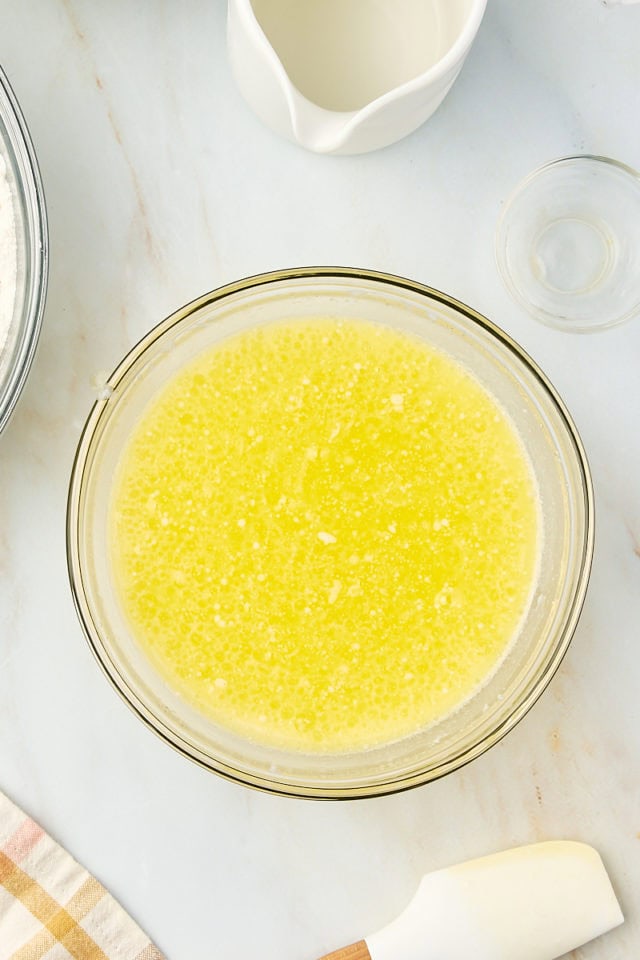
265 84
317 129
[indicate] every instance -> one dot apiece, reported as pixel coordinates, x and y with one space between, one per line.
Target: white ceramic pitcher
348 76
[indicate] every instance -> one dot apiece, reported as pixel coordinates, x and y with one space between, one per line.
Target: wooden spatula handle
357 951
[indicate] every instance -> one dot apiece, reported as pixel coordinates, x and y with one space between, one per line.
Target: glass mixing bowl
32 250
561 473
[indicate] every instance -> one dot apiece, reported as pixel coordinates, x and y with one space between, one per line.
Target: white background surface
161 185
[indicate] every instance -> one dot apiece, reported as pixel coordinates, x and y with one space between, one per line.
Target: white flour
7 256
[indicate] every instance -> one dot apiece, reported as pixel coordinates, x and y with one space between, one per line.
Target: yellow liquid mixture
324 534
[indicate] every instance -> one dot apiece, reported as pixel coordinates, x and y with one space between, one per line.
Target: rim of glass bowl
100 648
32 203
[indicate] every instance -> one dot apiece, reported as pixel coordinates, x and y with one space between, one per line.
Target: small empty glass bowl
561 475
32 250
568 244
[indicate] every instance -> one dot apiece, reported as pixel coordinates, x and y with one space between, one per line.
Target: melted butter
324 534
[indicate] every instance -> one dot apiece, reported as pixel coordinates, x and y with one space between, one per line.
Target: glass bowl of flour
23 251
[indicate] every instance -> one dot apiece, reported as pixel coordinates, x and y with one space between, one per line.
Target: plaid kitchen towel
51 908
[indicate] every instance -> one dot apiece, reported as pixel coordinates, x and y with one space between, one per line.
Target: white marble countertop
161 185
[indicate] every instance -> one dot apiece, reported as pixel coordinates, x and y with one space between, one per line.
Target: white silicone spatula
531 903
